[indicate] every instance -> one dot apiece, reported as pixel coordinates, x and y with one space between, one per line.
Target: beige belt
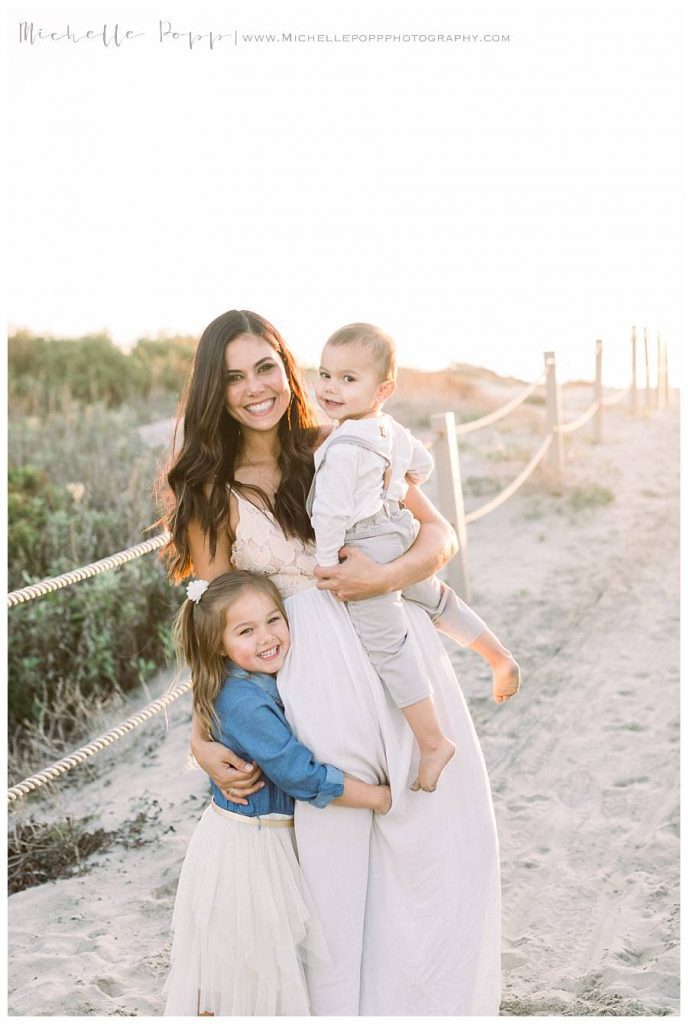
260 822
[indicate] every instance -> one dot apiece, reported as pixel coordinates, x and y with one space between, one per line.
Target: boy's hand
506 678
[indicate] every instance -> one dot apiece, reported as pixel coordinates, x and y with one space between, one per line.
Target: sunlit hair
202 470
378 343
198 630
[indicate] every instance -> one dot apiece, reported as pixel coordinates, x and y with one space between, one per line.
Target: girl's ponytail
184 637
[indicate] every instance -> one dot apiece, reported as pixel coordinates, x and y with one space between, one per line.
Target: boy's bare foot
506 679
385 800
431 765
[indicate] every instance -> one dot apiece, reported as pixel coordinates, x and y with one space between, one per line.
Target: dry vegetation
80 487
39 852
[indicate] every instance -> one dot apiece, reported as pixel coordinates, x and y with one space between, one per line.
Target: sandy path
584 766
585 774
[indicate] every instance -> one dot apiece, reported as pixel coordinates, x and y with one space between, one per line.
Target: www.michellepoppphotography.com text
166 33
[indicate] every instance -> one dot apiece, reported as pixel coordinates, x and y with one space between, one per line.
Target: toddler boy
361 474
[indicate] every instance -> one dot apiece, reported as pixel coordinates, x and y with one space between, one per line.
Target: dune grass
81 486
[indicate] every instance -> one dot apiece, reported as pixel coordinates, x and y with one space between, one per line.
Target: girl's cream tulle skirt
243 923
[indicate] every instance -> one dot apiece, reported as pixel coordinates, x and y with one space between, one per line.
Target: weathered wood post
660 374
597 395
448 469
648 390
634 374
553 411
667 389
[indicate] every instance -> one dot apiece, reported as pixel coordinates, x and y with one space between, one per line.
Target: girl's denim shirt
252 724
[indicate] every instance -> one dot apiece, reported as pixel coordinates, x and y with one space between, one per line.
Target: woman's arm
205 566
359 577
435 545
235 777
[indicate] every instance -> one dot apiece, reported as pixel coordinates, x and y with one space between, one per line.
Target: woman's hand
359 577
235 777
354 579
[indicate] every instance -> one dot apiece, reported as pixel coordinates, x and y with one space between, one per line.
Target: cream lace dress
409 902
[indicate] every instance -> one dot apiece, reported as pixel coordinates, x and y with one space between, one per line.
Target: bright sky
482 201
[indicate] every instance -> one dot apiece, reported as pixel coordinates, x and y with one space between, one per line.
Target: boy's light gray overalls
381 622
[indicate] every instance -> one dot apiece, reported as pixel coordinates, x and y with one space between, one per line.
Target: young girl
243 921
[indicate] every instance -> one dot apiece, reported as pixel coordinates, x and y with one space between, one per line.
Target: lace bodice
260 546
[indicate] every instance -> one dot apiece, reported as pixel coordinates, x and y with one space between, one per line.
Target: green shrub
81 488
46 375
42 372
91 640
166 362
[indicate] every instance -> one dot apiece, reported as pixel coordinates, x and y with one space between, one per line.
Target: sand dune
583 584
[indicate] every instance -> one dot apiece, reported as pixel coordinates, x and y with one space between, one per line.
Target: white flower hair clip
196 589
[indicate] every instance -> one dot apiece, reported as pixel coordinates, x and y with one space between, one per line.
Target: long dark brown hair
198 630
202 471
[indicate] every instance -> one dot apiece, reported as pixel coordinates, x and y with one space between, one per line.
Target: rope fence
500 498
613 399
569 428
498 414
67 579
54 771
446 433
444 442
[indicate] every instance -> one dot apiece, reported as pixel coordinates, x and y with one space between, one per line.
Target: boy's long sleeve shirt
349 482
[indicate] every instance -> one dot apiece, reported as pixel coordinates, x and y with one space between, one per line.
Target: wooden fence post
553 410
648 391
667 389
448 469
597 395
660 373
634 374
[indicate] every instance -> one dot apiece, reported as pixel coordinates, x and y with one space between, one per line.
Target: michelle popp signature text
116 36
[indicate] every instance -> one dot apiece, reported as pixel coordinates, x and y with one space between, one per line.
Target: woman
410 903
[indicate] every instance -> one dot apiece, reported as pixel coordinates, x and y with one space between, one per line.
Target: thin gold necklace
272 486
